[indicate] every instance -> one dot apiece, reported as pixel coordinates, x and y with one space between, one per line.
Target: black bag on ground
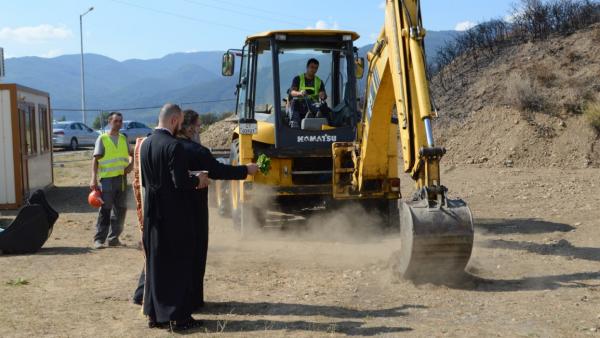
38 197
31 228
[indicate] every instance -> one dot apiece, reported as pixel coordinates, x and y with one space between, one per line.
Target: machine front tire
231 195
252 219
246 217
223 199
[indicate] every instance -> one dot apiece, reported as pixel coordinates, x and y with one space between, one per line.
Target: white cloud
381 5
465 25
33 34
52 53
322 24
373 37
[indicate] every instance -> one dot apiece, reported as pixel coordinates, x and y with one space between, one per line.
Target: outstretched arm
220 171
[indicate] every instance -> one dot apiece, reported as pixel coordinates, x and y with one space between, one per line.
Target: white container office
25 143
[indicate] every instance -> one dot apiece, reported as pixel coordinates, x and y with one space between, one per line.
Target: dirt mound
218 134
493 137
524 107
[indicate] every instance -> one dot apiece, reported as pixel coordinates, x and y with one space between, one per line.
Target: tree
98 124
531 20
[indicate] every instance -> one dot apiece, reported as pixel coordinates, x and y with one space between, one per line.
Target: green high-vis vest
315 88
115 159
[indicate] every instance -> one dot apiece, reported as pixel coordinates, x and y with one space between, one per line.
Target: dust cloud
351 223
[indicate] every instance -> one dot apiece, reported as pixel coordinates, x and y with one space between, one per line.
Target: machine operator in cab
308 95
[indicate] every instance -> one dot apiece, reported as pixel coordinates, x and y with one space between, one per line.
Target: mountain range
183 78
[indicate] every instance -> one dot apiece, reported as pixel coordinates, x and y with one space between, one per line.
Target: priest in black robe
200 158
169 235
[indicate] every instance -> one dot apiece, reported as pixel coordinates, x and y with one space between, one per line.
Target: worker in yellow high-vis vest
113 160
307 89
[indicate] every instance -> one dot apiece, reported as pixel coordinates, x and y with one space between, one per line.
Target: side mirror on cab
228 66
360 67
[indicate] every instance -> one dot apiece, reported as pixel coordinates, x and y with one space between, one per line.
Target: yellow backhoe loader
352 153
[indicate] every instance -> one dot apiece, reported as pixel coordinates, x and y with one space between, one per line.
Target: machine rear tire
389 213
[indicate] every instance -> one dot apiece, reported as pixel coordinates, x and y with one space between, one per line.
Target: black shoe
188 324
152 324
115 243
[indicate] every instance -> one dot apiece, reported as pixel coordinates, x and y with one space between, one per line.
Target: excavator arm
436 232
397 79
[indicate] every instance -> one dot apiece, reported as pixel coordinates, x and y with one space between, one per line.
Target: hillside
178 77
523 107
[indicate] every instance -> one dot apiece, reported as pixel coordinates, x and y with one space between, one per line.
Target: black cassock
200 158
168 235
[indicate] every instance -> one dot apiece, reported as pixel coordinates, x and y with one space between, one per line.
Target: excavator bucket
436 241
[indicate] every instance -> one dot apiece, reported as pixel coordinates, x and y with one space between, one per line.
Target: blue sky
126 29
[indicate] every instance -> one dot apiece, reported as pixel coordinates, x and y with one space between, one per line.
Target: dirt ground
535 270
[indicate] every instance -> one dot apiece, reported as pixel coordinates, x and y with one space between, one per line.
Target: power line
140 108
181 16
269 19
261 10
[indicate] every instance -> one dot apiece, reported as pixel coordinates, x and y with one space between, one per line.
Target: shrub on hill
592 113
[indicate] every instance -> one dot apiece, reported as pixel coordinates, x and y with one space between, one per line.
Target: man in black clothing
200 158
168 236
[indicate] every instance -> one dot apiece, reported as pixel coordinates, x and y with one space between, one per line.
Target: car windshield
60 125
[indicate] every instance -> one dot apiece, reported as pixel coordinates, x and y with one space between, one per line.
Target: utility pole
2 71
82 70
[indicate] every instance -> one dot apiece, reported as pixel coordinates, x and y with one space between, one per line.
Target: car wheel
74 144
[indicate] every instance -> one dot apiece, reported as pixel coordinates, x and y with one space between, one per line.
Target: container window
27 119
44 121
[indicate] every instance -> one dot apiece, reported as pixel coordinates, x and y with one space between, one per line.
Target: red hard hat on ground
95 198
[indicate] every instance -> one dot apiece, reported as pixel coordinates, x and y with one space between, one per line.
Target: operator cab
269 63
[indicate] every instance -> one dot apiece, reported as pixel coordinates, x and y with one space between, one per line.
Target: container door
27 140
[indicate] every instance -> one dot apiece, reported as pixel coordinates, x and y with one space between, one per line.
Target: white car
72 135
132 130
